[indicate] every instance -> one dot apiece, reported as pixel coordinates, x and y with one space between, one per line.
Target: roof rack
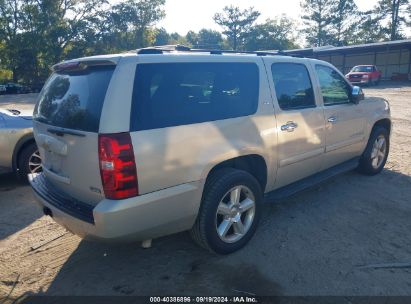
182 48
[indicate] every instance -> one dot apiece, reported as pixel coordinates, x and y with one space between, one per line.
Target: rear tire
375 155
230 211
29 161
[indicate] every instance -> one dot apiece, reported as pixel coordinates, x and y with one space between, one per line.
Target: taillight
117 166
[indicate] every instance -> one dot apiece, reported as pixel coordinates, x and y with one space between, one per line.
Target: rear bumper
139 218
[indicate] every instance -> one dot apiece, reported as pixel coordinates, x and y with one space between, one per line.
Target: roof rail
182 48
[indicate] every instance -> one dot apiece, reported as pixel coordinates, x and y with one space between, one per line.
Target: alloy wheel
235 214
35 162
379 151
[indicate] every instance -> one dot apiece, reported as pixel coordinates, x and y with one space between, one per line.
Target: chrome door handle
332 119
289 126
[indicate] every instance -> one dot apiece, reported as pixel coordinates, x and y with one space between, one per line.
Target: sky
185 15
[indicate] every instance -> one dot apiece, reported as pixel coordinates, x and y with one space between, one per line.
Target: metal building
393 58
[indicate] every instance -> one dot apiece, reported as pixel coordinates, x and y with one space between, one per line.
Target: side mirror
357 94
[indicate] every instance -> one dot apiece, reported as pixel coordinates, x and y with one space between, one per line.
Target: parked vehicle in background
25 89
364 74
18 150
140 145
12 88
15 88
36 87
3 89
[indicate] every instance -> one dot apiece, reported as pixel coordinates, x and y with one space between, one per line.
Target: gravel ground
348 236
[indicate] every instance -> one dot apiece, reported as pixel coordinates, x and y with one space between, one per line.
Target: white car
3 89
18 150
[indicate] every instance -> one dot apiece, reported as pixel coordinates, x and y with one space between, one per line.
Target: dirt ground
348 236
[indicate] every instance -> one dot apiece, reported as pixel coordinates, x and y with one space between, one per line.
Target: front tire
376 153
230 211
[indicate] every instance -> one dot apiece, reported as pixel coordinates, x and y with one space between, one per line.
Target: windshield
74 100
362 69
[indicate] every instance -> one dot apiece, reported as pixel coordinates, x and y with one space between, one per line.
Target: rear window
173 94
74 100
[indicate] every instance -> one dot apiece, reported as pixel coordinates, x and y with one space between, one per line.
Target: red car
364 74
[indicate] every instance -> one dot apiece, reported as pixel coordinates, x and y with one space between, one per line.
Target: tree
209 39
368 30
10 38
35 34
274 34
192 38
38 32
176 38
236 24
394 13
161 37
62 22
317 18
344 21
205 39
131 19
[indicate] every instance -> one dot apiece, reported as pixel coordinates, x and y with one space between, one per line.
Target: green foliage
38 33
339 22
367 31
395 14
161 37
236 24
131 19
317 19
5 75
176 38
344 21
35 34
274 34
205 39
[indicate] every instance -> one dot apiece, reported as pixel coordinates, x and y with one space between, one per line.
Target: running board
310 181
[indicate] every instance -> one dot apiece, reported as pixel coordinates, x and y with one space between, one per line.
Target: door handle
332 119
289 126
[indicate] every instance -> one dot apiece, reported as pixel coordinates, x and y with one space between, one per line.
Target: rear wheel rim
379 151
235 214
35 162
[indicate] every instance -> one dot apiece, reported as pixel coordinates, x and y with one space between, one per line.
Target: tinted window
334 88
75 100
292 86
172 94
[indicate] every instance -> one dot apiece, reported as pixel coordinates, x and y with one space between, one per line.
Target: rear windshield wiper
62 132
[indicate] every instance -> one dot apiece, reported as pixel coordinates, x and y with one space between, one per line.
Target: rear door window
292 86
74 100
173 94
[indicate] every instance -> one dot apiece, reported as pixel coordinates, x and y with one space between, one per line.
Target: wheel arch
23 142
385 123
254 164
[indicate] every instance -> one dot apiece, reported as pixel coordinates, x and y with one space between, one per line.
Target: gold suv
145 144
